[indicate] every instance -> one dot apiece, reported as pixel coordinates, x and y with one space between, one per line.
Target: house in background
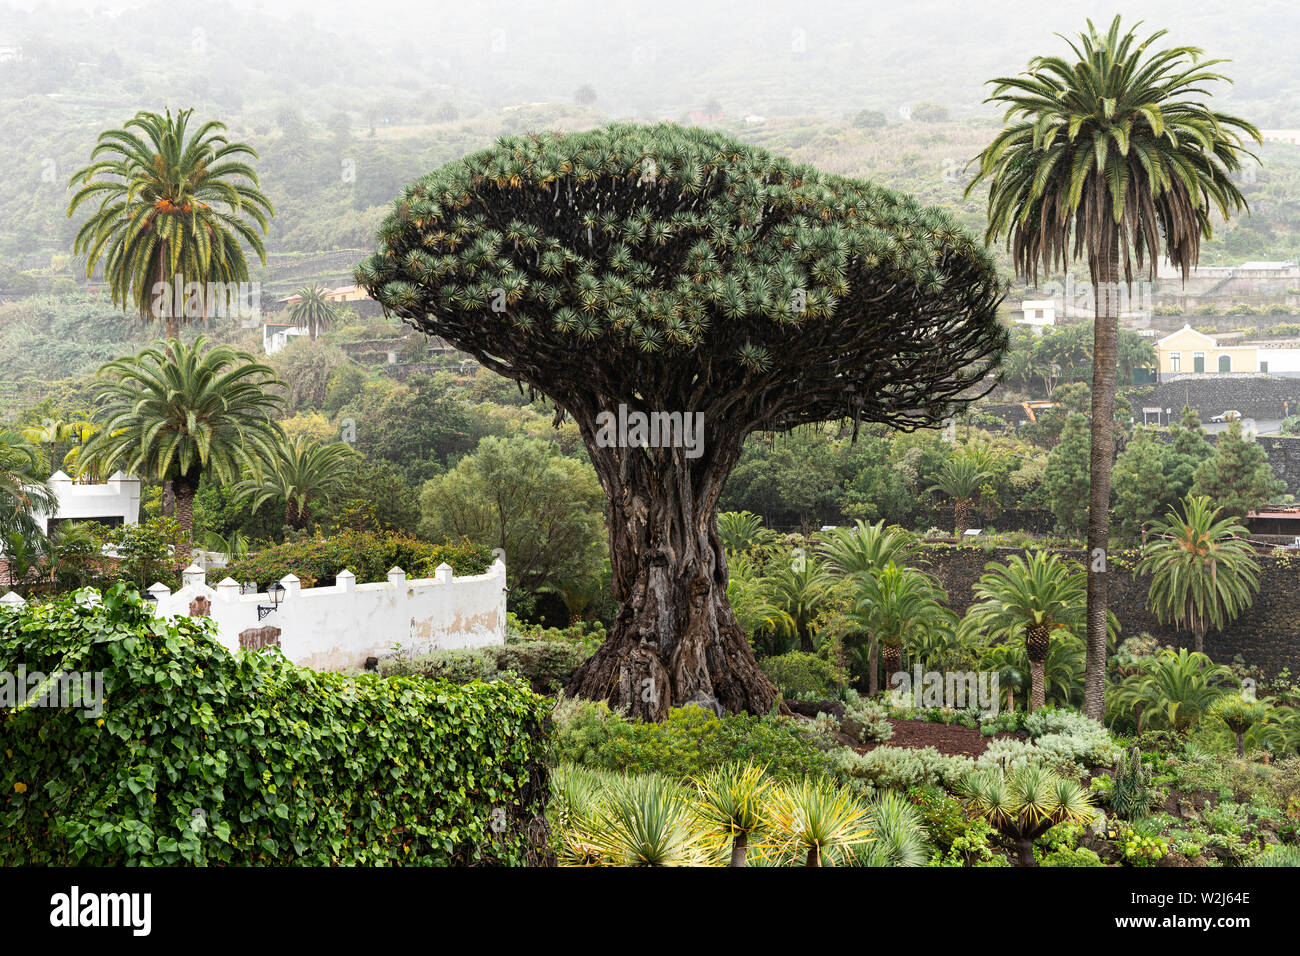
113 502
1188 351
1038 314
276 335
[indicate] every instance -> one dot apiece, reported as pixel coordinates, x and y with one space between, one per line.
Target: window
1175 361
1038 313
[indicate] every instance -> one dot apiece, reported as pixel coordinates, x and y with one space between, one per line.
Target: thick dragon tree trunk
1105 346
740 849
1037 643
675 640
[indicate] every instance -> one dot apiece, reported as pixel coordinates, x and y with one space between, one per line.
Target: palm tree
895 604
23 494
960 479
797 589
1113 155
50 433
861 550
1203 571
1025 802
312 310
742 531
1176 691
172 203
302 472
179 411
1036 594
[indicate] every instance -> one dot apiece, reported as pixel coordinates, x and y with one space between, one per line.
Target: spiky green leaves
661 242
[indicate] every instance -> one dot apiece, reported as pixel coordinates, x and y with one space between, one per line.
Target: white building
112 502
276 335
1038 314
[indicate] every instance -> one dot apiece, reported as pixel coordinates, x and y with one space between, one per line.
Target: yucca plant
732 805
898 834
815 819
577 798
1239 714
648 820
1024 803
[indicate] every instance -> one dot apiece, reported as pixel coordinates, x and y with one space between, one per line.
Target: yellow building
1190 351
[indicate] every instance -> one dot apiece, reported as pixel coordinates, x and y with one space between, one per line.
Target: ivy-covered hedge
203 757
367 554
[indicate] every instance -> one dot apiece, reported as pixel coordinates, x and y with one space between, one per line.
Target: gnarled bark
675 640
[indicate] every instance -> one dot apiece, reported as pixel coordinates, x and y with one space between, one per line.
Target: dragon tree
658 271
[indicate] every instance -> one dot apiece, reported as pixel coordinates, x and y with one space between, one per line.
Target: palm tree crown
312 310
177 411
1112 150
301 473
1203 571
172 202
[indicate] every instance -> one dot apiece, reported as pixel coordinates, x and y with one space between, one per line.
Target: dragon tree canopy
646 264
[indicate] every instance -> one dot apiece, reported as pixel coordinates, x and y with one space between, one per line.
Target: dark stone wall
1265 636
1254 395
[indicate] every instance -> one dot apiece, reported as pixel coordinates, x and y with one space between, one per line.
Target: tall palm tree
23 493
860 550
173 202
895 604
960 479
1037 594
1203 570
313 311
1113 155
302 473
179 411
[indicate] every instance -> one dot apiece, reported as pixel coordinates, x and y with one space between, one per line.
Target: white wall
336 627
119 497
1280 361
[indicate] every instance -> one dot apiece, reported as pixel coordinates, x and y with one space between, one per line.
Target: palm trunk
961 515
873 668
1105 337
185 516
814 857
893 660
1241 744
1038 640
1200 640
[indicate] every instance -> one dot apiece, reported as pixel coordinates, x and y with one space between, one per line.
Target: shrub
1066 857
689 742
802 676
866 719
898 768
204 757
546 665
1130 795
367 554
1278 856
